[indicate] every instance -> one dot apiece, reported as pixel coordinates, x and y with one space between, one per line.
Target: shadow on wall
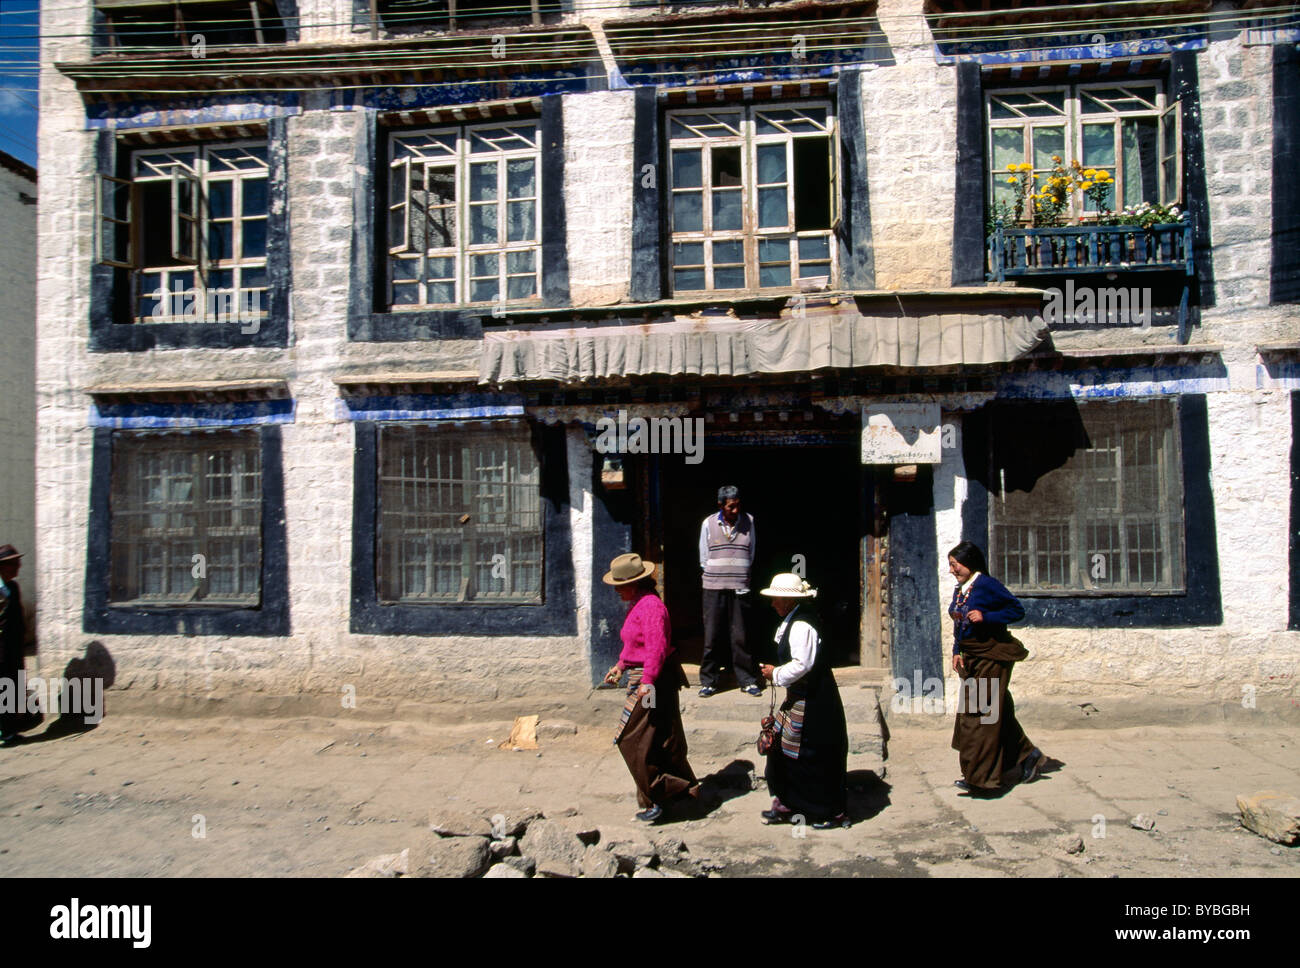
79 694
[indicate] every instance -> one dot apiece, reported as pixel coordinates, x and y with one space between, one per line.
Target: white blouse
803 651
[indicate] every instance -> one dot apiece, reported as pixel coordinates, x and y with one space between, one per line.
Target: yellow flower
1056 158
1086 185
1012 180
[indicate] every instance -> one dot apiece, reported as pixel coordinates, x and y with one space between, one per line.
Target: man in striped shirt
726 557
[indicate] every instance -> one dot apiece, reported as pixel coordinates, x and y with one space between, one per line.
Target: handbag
769 729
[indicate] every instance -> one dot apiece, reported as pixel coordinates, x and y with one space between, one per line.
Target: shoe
1033 766
975 791
835 823
650 814
776 816
752 689
706 691
10 739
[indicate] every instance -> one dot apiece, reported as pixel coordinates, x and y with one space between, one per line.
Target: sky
19 23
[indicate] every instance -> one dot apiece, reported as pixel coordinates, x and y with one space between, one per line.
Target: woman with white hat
806 770
650 735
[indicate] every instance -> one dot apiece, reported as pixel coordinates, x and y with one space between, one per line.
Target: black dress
807 771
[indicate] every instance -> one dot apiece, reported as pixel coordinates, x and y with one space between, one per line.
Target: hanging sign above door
901 433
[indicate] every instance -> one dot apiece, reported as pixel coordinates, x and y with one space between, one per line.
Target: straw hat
9 553
789 586
626 569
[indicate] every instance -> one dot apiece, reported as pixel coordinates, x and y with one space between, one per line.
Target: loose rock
451 857
458 823
525 864
386 865
515 824
1142 822
669 845
1070 843
504 870
500 849
556 849
1271 814
598 862
633 850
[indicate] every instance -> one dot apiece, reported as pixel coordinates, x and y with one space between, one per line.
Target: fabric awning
726 346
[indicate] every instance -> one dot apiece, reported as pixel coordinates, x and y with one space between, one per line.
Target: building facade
369 331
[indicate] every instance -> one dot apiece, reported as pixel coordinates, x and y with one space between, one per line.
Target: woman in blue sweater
986 735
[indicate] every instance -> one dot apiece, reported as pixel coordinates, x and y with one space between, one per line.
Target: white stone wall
18 370
910 126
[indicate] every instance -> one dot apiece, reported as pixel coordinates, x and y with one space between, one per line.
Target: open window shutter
114 206
185 216
837 204
399 202
1171 155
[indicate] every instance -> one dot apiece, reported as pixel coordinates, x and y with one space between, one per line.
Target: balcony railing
1015 252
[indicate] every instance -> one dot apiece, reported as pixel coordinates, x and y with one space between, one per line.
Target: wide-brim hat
626 569
789 586
9 553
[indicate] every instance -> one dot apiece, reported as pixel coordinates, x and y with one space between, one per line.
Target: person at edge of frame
13 634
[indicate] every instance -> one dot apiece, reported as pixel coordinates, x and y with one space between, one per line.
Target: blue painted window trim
557 615
369 318
1202 603
268 619
110 288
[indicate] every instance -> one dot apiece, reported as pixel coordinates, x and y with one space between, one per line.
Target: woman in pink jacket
650 734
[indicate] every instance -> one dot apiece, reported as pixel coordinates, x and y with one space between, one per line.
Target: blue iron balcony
1017 253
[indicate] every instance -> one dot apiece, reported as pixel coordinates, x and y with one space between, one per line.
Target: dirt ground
150 796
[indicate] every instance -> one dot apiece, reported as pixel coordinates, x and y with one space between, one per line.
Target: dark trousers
726 622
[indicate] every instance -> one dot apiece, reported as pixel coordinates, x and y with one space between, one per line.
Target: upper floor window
1129 130
150 24
191 225
1108 521
186 512
463 216
399 16
752 197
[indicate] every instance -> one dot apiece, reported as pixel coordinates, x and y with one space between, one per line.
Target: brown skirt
653 742
988 739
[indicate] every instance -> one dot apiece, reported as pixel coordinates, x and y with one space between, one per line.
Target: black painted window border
1200 605
970 204
651 237
269 618
110 287
369 319
1284 277
1293 544
556 615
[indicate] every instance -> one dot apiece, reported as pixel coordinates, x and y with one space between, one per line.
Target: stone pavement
256 796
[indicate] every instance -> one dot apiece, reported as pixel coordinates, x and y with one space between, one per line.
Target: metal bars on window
186 512
1109 521
459 515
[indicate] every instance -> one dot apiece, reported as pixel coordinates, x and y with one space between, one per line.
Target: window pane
254 196
1048 142
517 262
729 278
810 249
521 178
728 253
220 194
220 240
254 241
688 212
688 254
483 182
1008 147
484 290
812 184
771 164
521 224
688 171
1098 145
688 279
483 224
521 287
772 211
774 276
1140 137
727 213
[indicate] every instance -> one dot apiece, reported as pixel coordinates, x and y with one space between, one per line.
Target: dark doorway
806 499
